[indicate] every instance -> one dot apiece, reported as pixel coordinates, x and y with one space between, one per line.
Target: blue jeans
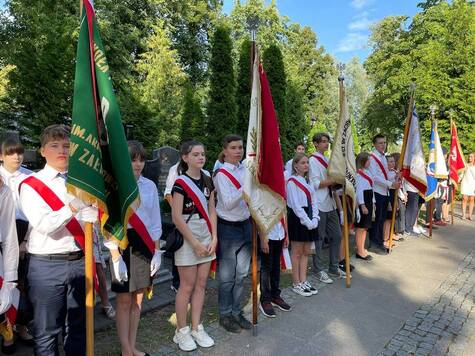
234 256
57 293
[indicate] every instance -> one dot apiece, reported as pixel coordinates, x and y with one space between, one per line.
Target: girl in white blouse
302 215
365 200
133 268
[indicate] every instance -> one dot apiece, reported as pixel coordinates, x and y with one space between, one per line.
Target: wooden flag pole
89 273
393 219
431 213
254 278
400 164
346 241
89 260
452 204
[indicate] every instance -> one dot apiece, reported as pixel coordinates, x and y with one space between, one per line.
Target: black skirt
137 258
297 231
366 219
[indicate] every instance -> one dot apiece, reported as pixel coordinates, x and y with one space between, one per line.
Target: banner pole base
254 330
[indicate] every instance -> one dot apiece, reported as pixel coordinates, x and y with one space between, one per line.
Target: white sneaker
339 274
184 339
324 278
201 337
308 286
422 230
301 290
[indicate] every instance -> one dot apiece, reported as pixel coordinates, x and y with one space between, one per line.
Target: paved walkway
386 297
416 301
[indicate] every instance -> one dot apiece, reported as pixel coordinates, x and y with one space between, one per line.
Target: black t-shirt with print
205 184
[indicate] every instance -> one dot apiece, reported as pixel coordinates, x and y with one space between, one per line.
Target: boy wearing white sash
56 281
234 233
194 215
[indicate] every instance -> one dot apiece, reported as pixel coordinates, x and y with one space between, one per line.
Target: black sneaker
230 324
267 309
243 322
281 304
342 266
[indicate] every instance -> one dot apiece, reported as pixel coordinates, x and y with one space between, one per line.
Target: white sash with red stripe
197 196
365 176
285 261
11 312
303 188
381 166
321 160
231 177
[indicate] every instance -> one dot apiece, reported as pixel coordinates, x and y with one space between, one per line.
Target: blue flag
431 179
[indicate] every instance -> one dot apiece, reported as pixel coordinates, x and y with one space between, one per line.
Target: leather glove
88 214
342 218
156 262
6 296
120 270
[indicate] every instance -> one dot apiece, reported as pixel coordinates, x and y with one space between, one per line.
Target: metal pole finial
341 67
253 26
433 109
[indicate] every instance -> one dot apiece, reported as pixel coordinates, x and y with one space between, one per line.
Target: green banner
100 171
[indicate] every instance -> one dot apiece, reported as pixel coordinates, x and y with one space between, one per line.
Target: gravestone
157 168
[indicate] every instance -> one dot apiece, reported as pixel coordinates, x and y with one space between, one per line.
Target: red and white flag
456 161
264 184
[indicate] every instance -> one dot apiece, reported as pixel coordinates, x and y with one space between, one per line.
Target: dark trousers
412 210
376 230
400 217
234 256
270 271
437 205
329 229
57 293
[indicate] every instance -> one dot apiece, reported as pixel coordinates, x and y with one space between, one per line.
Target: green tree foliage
221 111
273 64
243 90
297 126
436 51
160 91
358 87
191 25
38 39
193 120
311 70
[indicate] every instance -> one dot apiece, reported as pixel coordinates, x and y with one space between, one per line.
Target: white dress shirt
288 166
13 180
318 173
277 233
49 234
381 184
8 237
172 176
362 184
149 209
297 200
231 205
